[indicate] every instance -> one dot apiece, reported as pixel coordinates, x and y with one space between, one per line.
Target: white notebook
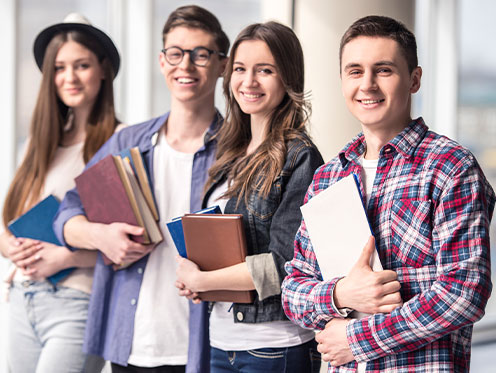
338 228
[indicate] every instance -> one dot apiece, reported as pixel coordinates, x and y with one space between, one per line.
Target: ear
415 78
161 62
223 64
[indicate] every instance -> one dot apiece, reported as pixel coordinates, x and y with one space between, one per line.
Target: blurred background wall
456 51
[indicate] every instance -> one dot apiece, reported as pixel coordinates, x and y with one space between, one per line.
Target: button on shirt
430 210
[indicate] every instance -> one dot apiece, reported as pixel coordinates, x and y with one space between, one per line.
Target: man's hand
113 240
333 344
367 291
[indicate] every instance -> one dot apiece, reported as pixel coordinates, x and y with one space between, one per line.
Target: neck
378 136
258 127
187 124
78 132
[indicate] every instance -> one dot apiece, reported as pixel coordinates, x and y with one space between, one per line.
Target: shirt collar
404 143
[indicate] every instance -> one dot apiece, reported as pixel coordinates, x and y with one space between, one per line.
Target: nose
186 63
70 74
249 79
368 81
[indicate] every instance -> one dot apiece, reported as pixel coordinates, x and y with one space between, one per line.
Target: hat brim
44 37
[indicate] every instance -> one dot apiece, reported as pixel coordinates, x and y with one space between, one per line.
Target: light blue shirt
110 324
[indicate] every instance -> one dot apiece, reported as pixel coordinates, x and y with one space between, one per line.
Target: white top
227 335
369 170
161 322
67 164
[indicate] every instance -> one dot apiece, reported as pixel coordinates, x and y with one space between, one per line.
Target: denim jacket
270 227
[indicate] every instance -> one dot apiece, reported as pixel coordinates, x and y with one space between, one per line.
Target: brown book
108 194
138 166
215 241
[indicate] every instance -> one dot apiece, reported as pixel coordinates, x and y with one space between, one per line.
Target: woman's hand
187 282
47 261
22 251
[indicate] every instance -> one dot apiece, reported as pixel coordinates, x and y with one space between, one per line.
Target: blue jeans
46 328
297 359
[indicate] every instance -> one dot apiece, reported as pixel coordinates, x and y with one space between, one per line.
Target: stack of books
117 189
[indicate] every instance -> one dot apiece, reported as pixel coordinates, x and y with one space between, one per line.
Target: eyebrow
379 63
75 61
257 64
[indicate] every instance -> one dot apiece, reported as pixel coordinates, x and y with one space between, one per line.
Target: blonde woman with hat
74 115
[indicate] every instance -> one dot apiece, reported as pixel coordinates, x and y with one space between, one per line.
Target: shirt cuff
263 271
341 311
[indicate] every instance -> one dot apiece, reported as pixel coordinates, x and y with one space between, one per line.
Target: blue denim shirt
270 225
114 298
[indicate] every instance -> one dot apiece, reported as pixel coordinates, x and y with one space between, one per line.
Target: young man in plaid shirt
429 206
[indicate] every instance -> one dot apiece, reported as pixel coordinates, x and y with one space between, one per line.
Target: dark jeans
162 369
297 359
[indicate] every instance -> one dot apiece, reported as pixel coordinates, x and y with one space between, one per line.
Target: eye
201 54
238 69
59 68
83 66
354 72
384 71
265 71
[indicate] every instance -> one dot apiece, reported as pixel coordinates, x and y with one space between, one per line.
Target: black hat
75 22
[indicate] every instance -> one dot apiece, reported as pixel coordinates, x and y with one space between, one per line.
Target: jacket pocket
263 208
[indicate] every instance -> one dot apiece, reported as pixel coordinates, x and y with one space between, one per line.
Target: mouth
186 80
73 90
371 102
252 96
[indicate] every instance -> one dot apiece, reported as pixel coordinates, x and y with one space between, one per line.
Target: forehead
188 38
254 50
73 50
366 50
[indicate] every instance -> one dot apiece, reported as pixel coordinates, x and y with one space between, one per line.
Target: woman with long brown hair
74 115
264 164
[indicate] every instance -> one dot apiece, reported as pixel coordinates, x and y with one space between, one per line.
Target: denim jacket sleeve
267 269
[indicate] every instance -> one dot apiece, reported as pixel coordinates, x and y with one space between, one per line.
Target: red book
107 196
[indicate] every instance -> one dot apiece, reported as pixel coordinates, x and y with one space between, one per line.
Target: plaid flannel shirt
430 210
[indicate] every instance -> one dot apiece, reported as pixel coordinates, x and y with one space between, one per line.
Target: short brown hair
197 17
387 27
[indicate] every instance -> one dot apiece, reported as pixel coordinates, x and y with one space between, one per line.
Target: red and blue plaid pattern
430 211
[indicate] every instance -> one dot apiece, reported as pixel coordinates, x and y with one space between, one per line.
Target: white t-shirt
66 165
227 335
161 322
369 170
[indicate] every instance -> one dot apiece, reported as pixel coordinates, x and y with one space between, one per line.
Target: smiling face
376 83
187 82
78 76
255 81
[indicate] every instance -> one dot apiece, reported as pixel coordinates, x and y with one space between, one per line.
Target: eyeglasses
199 56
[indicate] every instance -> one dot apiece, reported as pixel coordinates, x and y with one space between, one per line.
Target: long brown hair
47 126
257 171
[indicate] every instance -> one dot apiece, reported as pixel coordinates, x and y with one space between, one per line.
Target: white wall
320 25
7 139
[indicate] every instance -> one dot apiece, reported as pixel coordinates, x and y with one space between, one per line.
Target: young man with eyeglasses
136 318
429 206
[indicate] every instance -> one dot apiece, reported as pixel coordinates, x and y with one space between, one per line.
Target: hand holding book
117 190
366 291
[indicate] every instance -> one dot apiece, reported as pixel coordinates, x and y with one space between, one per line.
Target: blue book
175 227
37 224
